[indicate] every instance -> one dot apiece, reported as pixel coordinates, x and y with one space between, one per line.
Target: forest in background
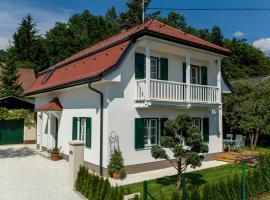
31 50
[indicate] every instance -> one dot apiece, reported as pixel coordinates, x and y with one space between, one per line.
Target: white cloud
11 15
239 34
263 44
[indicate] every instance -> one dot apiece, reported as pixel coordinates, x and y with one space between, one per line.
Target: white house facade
119 93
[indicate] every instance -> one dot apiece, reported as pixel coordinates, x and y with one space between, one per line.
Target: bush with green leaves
116 163
94 187
184 141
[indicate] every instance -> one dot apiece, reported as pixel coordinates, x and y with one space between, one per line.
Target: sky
251 25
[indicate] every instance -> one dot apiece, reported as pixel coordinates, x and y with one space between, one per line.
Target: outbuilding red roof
53 105
96 59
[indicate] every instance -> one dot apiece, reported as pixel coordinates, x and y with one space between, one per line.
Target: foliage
116 163
245 60
245 112
81 31
27 115
232 104
185 142
255 113
94 187
8 80
216 36
29 46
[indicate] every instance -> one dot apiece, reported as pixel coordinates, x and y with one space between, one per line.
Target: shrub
116 164
94 187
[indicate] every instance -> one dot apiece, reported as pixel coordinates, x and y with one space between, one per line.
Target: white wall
122 111
76 102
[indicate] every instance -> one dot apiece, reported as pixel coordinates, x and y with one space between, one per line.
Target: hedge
257 183
94 187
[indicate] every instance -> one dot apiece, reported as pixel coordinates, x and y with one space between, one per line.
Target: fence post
244 165
145 190
183 187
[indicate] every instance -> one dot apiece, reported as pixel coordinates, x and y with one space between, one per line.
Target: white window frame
197 70
81 128
148 131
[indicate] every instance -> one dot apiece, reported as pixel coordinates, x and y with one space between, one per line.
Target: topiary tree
185 143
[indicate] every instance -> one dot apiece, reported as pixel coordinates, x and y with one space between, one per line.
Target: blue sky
252 25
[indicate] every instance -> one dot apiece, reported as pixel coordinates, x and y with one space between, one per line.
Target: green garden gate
11 131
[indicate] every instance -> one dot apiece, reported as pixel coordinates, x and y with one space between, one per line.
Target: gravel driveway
25 175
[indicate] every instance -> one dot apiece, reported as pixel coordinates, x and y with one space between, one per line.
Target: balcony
176 92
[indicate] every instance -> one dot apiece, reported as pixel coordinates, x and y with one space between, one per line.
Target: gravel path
25 175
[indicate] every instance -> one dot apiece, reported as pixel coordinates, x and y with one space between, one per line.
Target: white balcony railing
203 93
167 90
176 92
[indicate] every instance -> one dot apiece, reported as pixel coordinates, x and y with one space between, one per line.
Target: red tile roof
53 105
98 58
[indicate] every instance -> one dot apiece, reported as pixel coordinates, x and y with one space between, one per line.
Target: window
81 129
47 76
150 131
196 122
195 74
154 68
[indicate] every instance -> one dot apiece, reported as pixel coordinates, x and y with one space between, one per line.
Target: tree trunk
251 138
179 182
179 170
256 139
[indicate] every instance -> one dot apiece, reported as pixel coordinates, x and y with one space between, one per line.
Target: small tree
185 143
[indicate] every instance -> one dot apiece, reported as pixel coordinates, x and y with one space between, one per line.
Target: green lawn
258 149
167 184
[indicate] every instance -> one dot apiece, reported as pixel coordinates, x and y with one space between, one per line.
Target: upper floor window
154 68
198 74
195 74
158 67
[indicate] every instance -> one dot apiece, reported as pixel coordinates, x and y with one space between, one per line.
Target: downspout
101 122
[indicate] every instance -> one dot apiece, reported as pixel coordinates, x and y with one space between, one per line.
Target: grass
258 149
167 184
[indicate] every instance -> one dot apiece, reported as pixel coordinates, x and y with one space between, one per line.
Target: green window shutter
88 132
139 133
204 75
184 72
139 66
163 69
206 129
74 128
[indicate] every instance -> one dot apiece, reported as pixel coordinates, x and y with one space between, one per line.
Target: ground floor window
203 125
81 130
150 131
196 122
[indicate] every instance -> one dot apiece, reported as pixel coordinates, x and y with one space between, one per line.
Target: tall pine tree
216 36
29 49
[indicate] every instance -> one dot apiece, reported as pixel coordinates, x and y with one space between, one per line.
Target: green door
11 132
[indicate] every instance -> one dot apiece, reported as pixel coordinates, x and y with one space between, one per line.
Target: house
15 131
119 92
